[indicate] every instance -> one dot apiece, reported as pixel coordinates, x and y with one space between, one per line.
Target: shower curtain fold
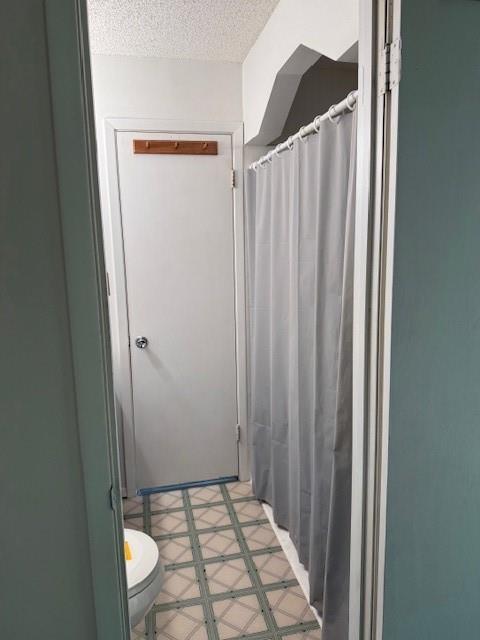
300 223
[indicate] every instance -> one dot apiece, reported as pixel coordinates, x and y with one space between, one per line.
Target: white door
178 232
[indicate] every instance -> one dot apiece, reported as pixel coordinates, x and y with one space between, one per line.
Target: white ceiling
192 29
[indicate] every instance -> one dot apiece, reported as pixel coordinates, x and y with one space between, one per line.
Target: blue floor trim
185 485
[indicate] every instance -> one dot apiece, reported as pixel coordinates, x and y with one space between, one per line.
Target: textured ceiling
193 29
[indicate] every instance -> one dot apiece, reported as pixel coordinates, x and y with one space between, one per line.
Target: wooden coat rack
177 147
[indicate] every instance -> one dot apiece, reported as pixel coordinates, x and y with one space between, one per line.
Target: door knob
141 342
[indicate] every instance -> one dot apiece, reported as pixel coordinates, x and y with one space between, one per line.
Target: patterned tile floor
227 578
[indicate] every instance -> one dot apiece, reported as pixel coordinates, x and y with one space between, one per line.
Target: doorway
155 464
179 238
66 66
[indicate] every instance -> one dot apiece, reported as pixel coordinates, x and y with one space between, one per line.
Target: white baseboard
292 556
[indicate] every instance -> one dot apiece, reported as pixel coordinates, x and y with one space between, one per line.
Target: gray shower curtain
300 217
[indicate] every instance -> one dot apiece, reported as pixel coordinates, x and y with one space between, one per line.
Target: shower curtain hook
302 135
330 117
290 142
351 96
269 157
316 123
276 151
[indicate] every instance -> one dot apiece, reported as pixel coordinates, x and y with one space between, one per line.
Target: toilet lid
142 557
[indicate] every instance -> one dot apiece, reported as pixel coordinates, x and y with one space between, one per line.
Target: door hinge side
395 63
390 66
233 179
384 70
114 498
237 432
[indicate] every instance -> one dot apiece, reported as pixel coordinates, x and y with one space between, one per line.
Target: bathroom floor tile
249 511
175 550
227 575
314 634
259 536
134 523
202 593
219 543
179 584
207 517
238 617
239 490
170 500
163 523
273 567
289 606
132 506
182 623
138 633
205 495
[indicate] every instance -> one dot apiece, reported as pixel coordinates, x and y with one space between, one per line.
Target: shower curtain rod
348 104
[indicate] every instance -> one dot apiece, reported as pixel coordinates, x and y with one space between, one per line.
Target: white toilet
144 574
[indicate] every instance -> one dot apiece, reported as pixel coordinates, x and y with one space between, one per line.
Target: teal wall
44 556
61 573
432 588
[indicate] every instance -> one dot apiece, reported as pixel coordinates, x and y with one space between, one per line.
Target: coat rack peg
176 147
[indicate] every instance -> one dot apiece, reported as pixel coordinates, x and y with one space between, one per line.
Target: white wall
161 88
167 89
328 27
252 152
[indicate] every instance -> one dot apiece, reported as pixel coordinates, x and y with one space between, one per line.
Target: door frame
369 474
116 274
373 290
388 31
80 220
